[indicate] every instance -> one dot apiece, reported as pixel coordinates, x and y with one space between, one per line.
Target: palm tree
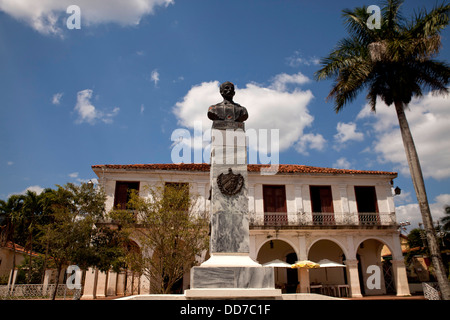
32 210
395 63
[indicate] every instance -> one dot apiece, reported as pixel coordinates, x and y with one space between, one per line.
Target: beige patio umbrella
277 263
325 263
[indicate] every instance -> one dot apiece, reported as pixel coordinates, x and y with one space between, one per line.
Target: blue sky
115 90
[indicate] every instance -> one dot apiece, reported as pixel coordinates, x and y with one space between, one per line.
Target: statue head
227 90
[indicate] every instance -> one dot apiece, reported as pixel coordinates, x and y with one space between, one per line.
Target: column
101 284
47 280
400 277
345 209
353 278
259 204
303 274
111 284
90 284
120 291
307 217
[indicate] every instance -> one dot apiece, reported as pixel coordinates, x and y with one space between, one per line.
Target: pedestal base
233 294
232 277
230 260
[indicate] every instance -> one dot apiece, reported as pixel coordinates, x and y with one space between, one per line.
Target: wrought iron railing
275 218
37 291
363 219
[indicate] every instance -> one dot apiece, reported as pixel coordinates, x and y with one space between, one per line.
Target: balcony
322 220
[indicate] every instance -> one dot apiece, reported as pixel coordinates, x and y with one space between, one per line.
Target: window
366 202
322 205
123 192
275 210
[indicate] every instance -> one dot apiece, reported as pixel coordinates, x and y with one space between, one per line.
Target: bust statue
227 114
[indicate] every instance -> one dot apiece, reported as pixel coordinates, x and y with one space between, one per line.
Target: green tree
171 232
395 63
74 211
32 211
10 220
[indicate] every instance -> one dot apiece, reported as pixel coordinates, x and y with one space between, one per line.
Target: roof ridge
282 168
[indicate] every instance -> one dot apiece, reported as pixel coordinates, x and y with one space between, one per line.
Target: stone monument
230 272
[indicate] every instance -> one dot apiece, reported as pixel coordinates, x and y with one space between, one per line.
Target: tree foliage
170 231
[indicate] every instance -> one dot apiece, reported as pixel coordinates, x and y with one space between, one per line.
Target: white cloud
36 188
428 119
10 163
73 175
88 112
310 141
297 60
48 16
342 163
271 107
280 81
56 99
347 132
142 109
411 212
155 77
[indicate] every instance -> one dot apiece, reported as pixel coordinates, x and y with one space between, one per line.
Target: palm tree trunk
419 186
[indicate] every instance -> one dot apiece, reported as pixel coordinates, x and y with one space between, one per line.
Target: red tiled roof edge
20 249
204 167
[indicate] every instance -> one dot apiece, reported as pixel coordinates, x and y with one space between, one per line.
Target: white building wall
298 204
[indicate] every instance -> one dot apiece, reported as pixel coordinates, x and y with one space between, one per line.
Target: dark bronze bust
227 114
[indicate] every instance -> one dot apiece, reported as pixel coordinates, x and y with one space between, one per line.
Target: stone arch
288 241
281 249
331 249
383 241
376 275
336 241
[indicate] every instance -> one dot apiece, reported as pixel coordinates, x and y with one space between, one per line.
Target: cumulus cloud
269 107
155 77
56 99
428 119
342 163
411 212
35 188
310 141
88 112
48 16
347 132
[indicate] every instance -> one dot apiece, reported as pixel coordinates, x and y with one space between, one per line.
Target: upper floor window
321 199
366 199
274 198
322 205
123 192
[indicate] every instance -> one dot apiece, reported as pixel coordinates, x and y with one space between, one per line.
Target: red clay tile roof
19 249
204 167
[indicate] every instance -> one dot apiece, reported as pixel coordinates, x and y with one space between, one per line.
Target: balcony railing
282 219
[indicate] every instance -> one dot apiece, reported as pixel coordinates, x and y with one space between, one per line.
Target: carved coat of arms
230 183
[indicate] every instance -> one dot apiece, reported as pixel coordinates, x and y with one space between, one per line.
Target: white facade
344 235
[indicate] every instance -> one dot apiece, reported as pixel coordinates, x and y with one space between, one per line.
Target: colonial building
299 213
